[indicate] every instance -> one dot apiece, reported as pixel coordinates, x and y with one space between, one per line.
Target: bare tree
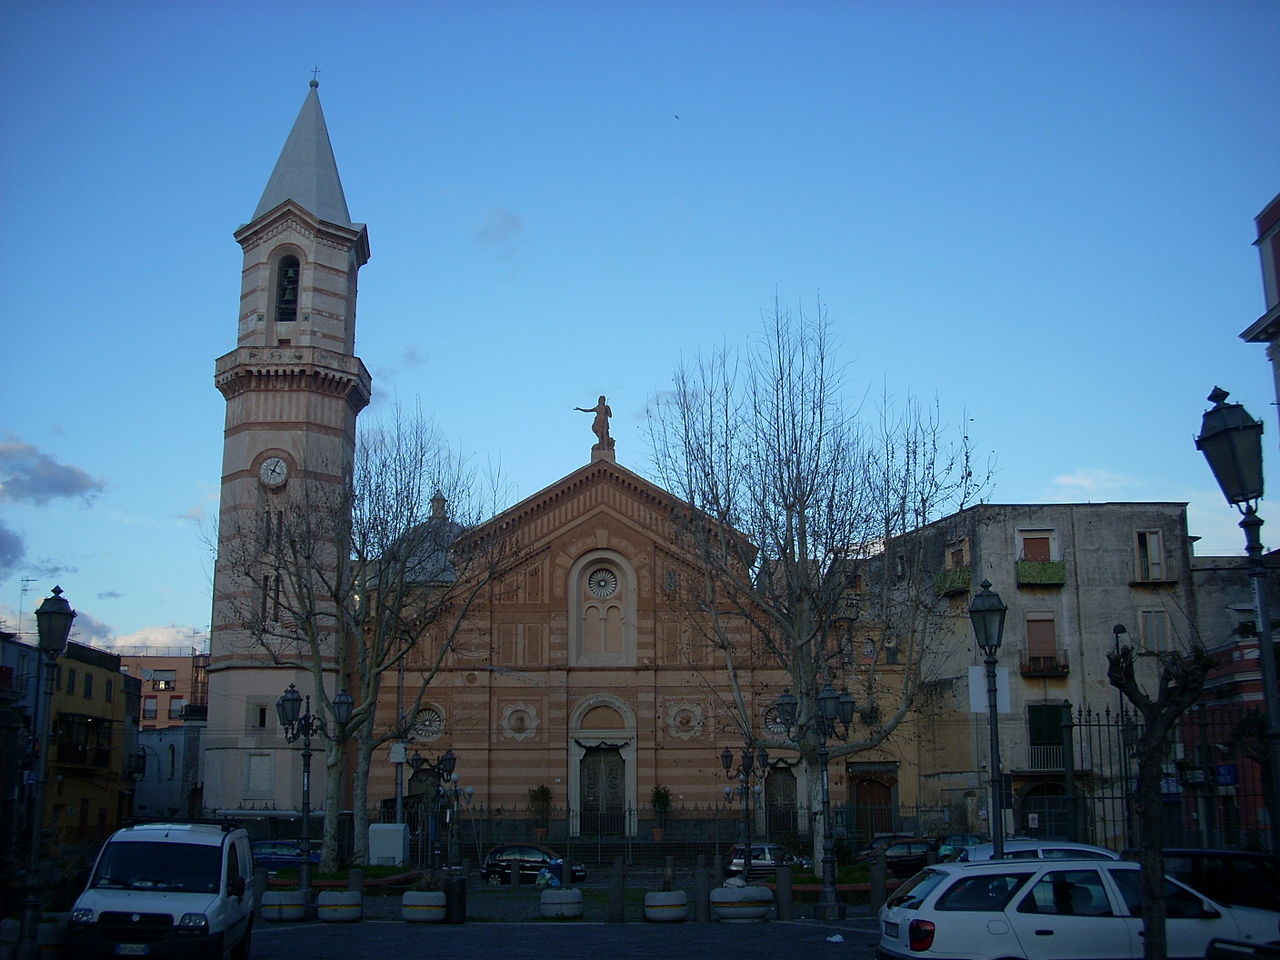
1179 682
799 505
356 577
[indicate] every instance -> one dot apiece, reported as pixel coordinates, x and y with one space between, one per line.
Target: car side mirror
236 887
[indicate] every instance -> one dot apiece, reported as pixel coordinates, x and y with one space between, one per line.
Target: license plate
132 949
891 930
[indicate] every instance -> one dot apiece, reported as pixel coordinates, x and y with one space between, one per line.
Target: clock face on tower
273 472
602 583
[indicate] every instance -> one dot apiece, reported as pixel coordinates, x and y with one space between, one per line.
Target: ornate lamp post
1231 440
297 720
441 771
832 719
53 623
752 762
456 795
986 613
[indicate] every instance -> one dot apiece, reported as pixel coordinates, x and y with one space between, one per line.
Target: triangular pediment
600 489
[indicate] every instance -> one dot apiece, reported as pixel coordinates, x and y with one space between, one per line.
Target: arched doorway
602 767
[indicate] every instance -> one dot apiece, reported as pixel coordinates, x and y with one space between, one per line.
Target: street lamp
986 613
752 763
833 709
440 771
456 796
297 720
1231 440
53 623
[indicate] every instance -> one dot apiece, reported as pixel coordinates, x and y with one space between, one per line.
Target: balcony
1040 758
82 755
948 583
1044 665
1041 573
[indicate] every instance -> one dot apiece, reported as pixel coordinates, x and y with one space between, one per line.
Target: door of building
603 796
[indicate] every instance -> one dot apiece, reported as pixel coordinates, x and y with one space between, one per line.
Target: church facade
582 668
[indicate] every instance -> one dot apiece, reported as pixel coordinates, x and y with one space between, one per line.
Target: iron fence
1211 785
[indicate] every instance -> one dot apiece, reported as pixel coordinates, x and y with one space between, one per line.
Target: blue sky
1039 212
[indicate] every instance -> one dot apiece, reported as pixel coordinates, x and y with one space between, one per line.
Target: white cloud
1091 482
167 636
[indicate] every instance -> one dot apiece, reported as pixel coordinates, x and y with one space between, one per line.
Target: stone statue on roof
600 426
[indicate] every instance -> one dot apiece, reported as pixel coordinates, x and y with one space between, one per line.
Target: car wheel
493 879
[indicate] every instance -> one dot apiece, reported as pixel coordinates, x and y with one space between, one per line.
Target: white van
167 890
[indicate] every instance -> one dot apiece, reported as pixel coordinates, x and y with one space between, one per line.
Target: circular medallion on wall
602 582
428 725
684 719
773 722
519 721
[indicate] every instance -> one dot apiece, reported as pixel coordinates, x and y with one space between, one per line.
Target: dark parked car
1238 878
529 858
907 857
869 851
949 843
282 854
766 858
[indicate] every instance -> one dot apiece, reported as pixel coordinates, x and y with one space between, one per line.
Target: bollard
260 886
701 891
455 898
717 870
355 880
617 893
514 878
878 872
668 873
782 898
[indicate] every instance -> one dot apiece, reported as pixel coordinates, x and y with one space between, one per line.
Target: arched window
287 289
603 606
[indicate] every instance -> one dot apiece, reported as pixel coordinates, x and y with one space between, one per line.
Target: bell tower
293 387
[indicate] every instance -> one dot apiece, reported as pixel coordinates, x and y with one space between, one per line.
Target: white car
1050 910
167 890
1033 850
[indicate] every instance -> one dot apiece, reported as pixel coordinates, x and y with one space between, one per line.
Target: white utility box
388 844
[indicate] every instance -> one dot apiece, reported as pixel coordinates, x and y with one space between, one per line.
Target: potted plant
540 804
660 800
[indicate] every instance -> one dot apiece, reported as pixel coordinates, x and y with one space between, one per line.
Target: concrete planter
422 906
339 906
741 904
666 906
284 905
50 936
561 903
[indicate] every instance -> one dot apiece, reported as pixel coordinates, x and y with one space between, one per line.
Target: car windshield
178 867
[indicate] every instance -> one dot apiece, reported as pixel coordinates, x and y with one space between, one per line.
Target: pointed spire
306 172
